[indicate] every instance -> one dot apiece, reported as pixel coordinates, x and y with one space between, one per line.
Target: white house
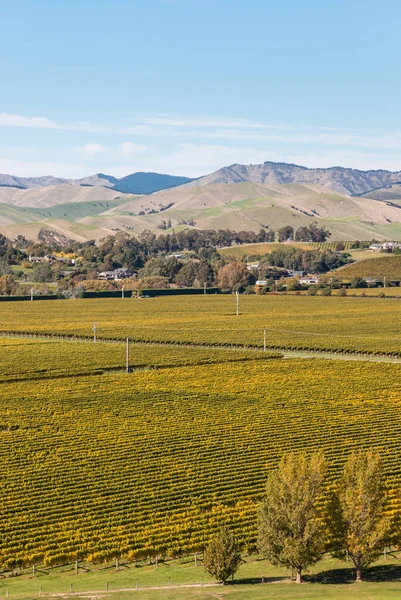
309 280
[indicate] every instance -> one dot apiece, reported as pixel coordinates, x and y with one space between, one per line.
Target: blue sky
188 86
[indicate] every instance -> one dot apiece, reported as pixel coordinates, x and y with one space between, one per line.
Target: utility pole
94 333
264 340
127 356
237 296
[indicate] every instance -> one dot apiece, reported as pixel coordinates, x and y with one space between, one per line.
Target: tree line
299 520
148 257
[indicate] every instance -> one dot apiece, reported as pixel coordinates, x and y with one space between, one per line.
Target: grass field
293 322
322 581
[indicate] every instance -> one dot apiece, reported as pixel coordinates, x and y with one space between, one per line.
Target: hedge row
118 294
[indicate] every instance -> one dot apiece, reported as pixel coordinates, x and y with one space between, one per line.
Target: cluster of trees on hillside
296 259
299 520
155 261
305 233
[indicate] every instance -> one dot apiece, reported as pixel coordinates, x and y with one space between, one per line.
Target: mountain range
351 203
136 183
352 182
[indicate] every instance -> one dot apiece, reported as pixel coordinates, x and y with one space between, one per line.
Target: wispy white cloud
92 149
128 149
193 160
10 120
219 128
193 146
7 120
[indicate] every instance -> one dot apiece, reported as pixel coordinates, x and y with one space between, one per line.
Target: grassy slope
77 231
43 197
237 206
11 214
77 210
184 572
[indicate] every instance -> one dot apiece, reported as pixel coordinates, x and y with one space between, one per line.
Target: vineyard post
31 294
70 588
40 591
169 582
94 333
117 563
384 282
264 340
136 584
122 292
196 559
107 586
76 567
237 298
127 356
204 288
6 592
33 570
157 561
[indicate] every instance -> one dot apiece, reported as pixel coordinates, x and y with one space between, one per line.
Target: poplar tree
357 521
290 530
222 557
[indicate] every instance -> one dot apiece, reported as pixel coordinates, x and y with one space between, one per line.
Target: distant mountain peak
342 180
136 183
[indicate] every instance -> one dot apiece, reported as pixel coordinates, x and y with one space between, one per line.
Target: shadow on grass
255 580
379 573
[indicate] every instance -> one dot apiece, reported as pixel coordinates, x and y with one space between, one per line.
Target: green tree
357 523
358 282
286 233
290 530
41 273
187 274
222 557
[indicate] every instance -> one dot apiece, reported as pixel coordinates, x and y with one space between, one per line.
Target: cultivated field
98 463
295 322
376 266
154 461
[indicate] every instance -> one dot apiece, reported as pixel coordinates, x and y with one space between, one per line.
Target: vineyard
104 465
37 358
98 463
249 250
377 267
367 325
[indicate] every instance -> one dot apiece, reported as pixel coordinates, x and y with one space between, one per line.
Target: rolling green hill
11 214
237 206
78 210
